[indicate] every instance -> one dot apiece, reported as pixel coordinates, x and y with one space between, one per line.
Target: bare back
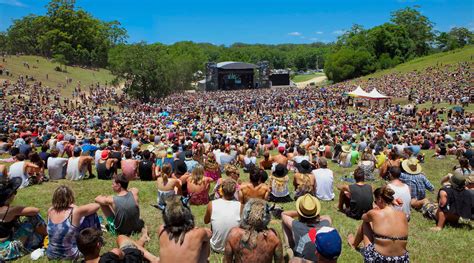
250 191
268 247
195 247
390 223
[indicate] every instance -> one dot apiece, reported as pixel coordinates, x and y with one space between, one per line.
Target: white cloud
319 32
314 39
296 34
339 32
12 3
470 26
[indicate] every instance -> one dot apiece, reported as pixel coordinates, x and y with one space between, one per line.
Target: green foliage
457 37
348 63
73 33
409 35
418 26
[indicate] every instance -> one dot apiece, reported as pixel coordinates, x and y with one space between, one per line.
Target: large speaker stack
263 74
211 76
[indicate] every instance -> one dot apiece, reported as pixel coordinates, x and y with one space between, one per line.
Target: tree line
71 36
408 35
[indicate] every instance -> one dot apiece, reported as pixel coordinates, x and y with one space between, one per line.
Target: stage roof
235 65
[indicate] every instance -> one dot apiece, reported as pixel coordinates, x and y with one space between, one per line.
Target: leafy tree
457 37
418 26
347 63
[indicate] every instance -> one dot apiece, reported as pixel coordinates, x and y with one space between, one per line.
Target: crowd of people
196 146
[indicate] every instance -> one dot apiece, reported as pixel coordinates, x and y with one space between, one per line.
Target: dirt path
316 80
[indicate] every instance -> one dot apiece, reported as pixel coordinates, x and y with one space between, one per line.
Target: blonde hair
166 172
197 174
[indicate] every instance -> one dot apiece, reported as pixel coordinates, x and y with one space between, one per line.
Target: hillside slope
465 54
44 70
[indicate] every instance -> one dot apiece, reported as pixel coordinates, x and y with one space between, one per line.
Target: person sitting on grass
90 241
455 202
233 173
122 211
355 199
77 165
412 176
304 181
22 169
253 241
256 188
197 186
223 214
65 220
167 185
279 185
384 231
180 240
297 232
18 238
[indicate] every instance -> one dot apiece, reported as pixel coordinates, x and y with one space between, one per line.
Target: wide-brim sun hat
308 206
346 148
411 166
8 187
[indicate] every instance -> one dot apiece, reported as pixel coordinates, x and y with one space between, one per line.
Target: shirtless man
253 241
280 158
254 189
180 240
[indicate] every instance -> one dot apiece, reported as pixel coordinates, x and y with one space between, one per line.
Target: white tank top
225 216
18 170
73 172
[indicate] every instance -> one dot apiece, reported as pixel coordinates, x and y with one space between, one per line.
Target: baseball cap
328 243
104 154
77 149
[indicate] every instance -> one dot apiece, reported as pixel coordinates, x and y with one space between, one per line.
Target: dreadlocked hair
178 219
256 217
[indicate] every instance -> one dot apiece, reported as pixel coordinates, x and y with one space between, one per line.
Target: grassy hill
43 70
465 54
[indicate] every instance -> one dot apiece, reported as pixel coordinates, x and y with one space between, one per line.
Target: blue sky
247 21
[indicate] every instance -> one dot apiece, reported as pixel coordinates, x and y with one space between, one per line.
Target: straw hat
308 206
411 166
346 148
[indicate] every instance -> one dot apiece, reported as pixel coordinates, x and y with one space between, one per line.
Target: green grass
303 78
450 245
465 54
40 66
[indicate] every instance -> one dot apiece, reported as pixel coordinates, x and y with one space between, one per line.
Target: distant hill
465 54
39 67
